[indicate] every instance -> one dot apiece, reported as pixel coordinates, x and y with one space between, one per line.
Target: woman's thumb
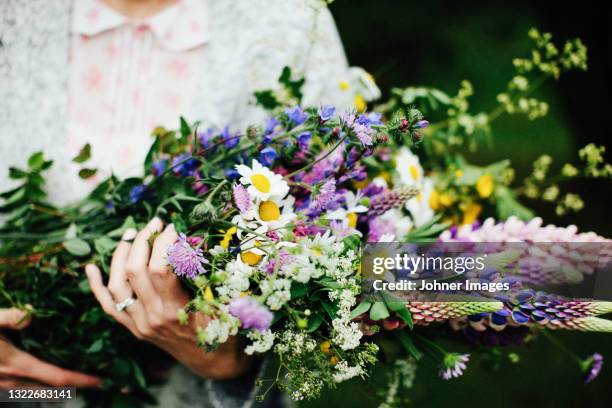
14 318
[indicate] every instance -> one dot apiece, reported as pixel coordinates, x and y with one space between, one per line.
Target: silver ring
126 303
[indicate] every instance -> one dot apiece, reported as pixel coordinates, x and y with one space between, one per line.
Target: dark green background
439 43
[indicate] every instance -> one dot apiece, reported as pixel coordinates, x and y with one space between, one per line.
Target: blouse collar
179 27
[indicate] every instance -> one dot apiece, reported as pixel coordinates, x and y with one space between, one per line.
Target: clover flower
241 198
593 366
453 365
186 260
252 315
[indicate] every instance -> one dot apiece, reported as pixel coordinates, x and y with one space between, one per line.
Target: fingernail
170 227
89 269
129 234
156 223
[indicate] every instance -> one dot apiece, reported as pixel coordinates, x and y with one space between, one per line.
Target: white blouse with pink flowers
128 77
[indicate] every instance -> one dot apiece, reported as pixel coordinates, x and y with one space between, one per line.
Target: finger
137 264
46 373
165 282
118 284
105 298
14 318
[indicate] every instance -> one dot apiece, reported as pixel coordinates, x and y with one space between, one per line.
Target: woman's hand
142 272
20 369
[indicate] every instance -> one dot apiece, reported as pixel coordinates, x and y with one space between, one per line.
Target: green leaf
84 154
330 308
406 317
185 129
96 346
314 323
361 308
104 245
508 205
87 173
266 99
36 161
77 247
379 311
128 223
16 173
408 344
140 378
298 290
71 231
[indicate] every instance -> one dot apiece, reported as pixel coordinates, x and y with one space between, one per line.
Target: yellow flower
471 212
360 103
484 185
334 360
434 200
325 347
352 220
227 237
344 85
446 199
208 294
250 258
361 184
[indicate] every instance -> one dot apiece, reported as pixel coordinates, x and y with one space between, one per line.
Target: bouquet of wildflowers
271 222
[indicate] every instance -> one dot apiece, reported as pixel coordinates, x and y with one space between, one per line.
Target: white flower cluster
345 372
276 291
219 330
262 341
347 333
236 279
291 341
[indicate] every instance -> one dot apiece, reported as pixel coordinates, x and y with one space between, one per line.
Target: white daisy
275 213
261 182
408 167
348 214
419 206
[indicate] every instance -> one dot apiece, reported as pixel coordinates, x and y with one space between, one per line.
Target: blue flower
137 193
206 137
159 167
421 124
303 140
183 166
296 115
231 174
372 118
271 125
228 139
326 112
267 156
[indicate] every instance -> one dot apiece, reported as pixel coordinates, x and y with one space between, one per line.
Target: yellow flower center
344 85
458 173
352 220
261 183
334 360
446 199
360 103
484 185
414 172
325 347
269 211
250 258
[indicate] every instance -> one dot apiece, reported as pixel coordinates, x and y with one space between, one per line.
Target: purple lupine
326 112
241 198
251 313
296 115
186 260
326 195
593 366
453 365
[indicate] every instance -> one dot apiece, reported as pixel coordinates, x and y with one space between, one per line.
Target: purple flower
326 195
326 112
593 366
252 315
421 124
296 115
364 134
241 198
348 118
372 118
453 365
303 140
186 260
267 156
231 174
137 193
271 124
